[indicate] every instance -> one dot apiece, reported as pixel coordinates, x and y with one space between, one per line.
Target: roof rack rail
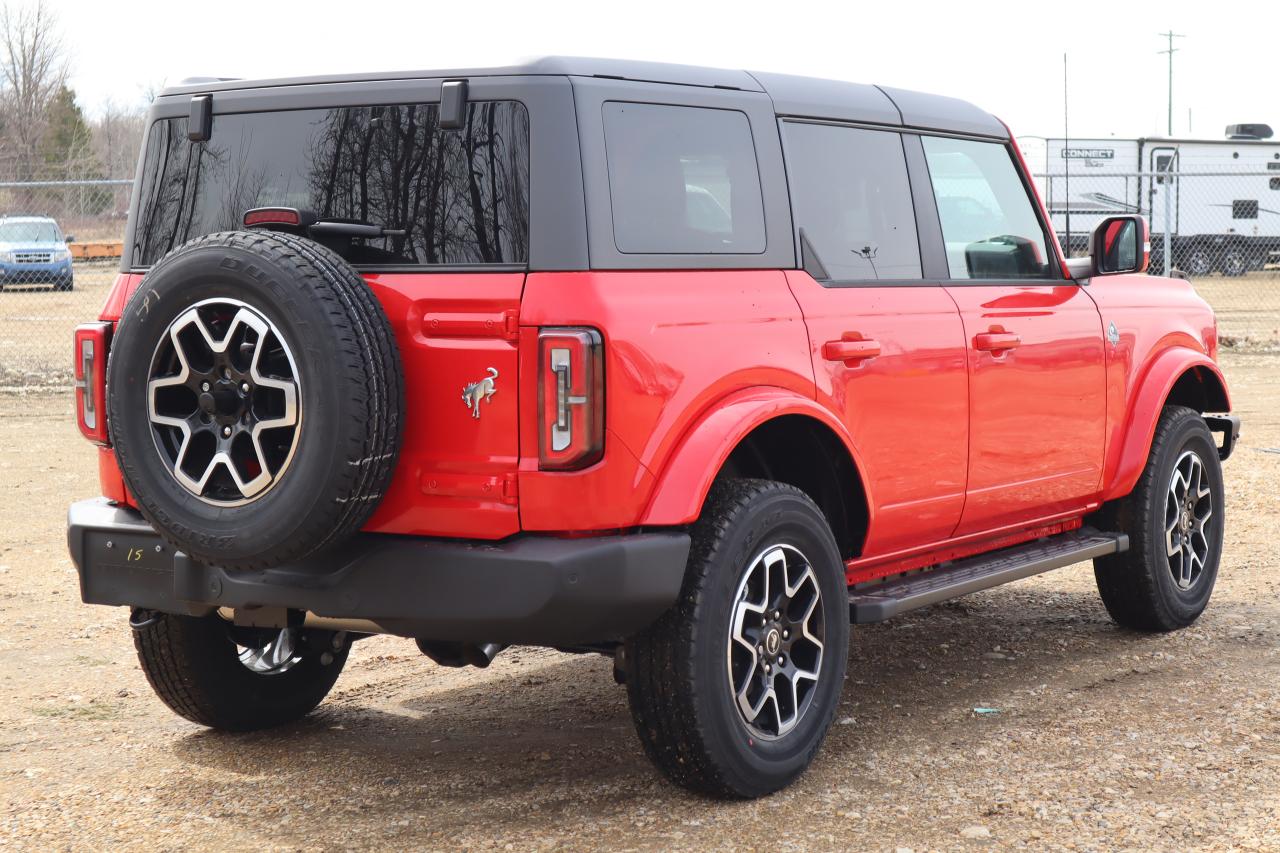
195 81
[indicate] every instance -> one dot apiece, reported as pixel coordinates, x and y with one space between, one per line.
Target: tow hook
140 618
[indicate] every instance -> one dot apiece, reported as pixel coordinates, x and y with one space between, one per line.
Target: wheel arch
1177 376
772 434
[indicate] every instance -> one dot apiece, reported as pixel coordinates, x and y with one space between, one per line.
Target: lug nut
226 432
244 386
204 386
781 661
767 668
777 614
760 649
785 633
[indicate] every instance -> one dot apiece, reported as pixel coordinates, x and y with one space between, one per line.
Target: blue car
33 251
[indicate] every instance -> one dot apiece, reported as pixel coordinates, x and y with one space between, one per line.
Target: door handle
996 341
850 351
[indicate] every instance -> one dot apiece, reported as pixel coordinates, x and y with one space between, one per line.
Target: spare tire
254 399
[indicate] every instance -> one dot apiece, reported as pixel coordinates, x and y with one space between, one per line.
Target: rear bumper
529 589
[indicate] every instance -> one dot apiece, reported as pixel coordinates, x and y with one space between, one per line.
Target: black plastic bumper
528 589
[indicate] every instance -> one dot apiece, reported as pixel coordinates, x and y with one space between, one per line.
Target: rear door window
457 196
682 180
851 197
989 222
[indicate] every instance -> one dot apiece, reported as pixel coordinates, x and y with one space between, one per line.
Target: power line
1171 35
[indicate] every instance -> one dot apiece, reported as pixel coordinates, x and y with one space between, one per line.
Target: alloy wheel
776 641
224 401
1188 510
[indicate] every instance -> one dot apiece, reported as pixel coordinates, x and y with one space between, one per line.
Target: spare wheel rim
224 401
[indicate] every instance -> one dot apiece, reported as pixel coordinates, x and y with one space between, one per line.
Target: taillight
571 395
91 380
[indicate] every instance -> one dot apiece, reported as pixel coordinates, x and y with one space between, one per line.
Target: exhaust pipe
479 655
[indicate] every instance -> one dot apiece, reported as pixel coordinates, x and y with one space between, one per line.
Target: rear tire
194 665
689 674
1174 518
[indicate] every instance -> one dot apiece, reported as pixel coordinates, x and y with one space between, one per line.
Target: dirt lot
1103 739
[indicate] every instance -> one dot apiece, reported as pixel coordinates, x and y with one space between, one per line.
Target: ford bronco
693 368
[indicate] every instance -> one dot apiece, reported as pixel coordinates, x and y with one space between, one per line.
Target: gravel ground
1101 739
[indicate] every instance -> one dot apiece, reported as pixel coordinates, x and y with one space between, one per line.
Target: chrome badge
480 391
1113 334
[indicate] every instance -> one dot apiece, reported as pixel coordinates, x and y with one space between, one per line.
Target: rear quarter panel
677 344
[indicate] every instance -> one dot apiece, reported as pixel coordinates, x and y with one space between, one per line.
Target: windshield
29 232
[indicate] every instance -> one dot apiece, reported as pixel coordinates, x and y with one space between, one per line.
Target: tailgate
457 336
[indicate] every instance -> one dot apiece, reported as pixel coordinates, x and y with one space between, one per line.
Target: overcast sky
1004 56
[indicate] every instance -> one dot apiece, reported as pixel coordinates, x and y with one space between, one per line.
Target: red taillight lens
571 398
91 380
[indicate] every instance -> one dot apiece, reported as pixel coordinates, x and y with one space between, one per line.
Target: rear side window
459 196
851 197
988 221
682 180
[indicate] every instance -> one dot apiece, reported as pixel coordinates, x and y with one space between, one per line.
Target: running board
878 602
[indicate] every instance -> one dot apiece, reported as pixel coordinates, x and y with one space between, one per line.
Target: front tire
733 689
236 679
1174 518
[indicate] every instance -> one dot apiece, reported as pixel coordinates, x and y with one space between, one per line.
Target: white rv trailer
1220 206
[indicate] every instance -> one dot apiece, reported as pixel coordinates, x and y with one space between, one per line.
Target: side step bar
880 601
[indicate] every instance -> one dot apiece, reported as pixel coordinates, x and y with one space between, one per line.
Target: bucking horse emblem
476 392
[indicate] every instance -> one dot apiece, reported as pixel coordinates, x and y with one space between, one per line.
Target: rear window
682 180
459 196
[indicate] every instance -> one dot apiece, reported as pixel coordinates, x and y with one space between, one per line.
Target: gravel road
1096 739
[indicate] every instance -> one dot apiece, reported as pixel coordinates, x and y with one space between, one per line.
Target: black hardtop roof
804 97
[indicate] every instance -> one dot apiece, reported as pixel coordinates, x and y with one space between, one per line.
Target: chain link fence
1222 227
60 244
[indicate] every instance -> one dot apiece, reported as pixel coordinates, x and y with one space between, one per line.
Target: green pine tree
66 150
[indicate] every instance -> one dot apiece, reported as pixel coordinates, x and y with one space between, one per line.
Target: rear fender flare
1140 426
687 478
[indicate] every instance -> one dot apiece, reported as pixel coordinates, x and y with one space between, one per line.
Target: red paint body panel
1037 414
904 408
677 346
1164 329
456 475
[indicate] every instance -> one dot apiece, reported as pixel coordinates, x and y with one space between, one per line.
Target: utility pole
1171 35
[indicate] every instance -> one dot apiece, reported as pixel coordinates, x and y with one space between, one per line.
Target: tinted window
850 194
682 180
988 220
460 196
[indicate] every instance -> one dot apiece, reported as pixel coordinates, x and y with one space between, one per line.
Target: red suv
688 367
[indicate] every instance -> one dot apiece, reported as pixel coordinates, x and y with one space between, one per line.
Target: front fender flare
1130 455
685 481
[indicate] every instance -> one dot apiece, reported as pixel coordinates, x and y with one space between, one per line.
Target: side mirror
1120 244
69 238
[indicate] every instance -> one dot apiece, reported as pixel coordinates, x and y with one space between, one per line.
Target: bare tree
33 69
117 136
